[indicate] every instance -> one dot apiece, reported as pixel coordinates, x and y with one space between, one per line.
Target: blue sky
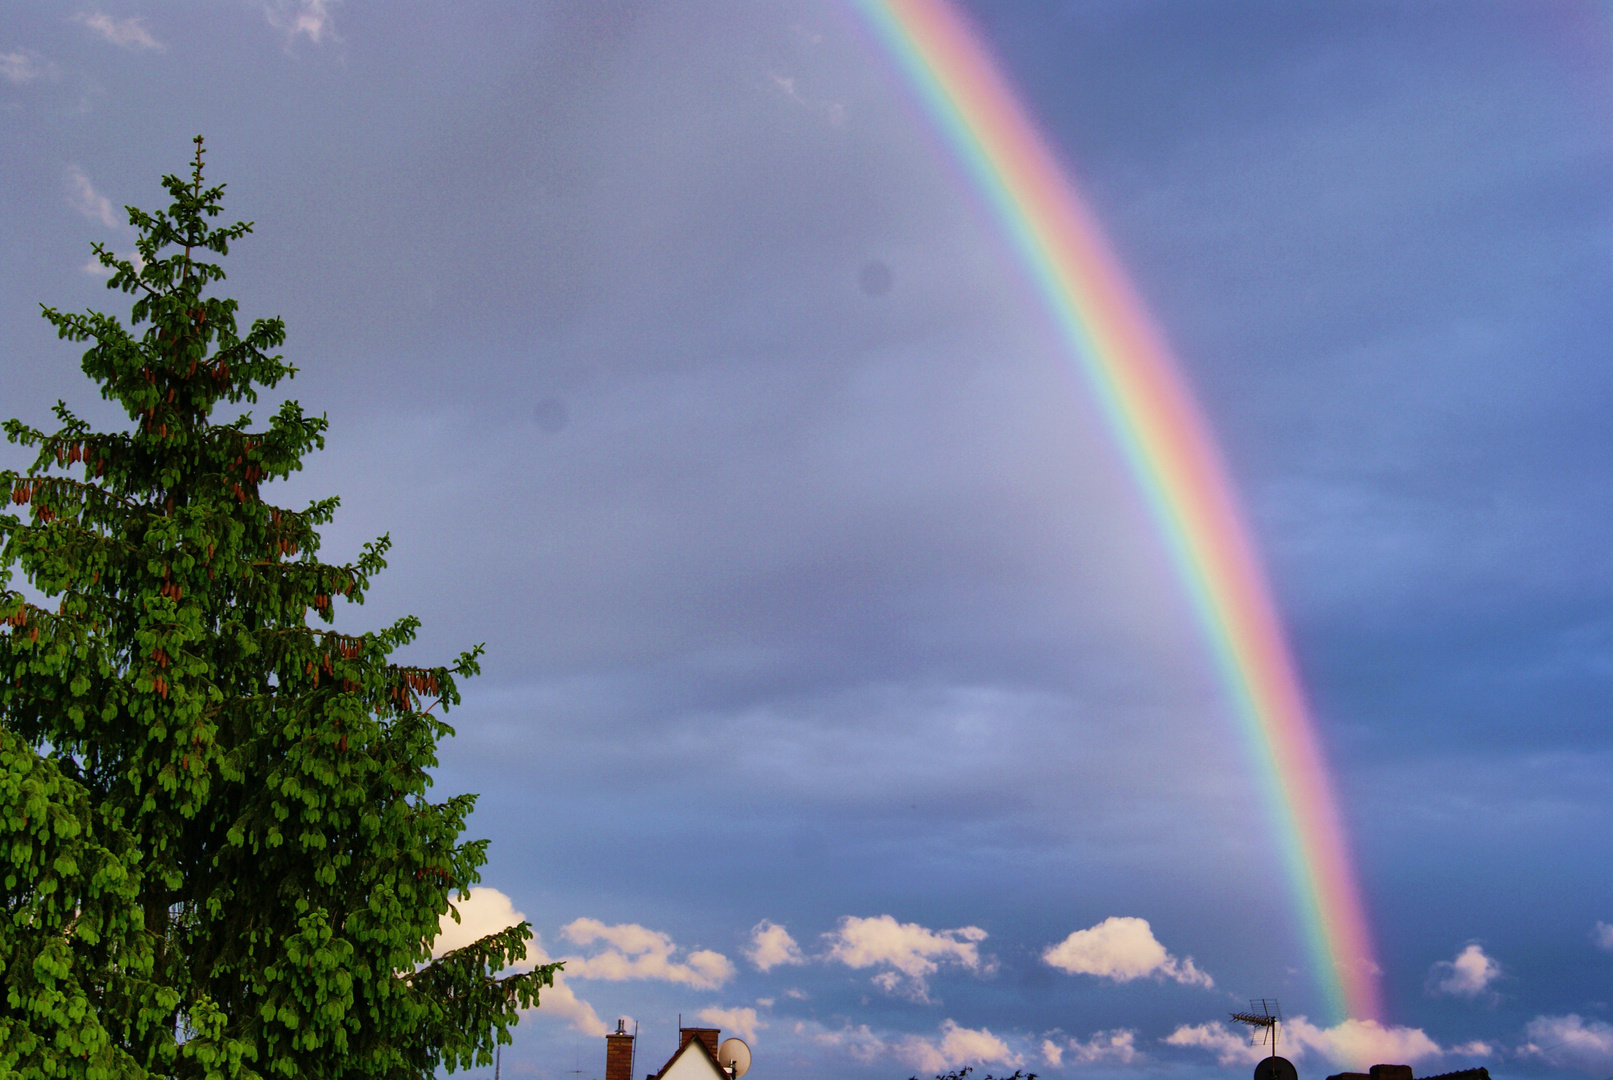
836 676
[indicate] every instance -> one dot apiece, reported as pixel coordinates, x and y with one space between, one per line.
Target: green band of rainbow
1156 422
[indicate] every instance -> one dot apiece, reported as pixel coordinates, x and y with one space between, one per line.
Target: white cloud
795 994
561 1002
124 33
1052 1053
22 66
1477 1048
1117 1047
772 945
912 952
1468 976
302 18
636 952
859 1043
956 1046
952 1047
488 911
1569 1042
1602 934
1354 1044
742 1022
86 200
1122 948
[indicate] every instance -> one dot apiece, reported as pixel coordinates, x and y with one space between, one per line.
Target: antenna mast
1266 1016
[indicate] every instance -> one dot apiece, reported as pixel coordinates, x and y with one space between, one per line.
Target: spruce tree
218 853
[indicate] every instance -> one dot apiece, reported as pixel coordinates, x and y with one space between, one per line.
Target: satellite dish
1276 1068
734 1054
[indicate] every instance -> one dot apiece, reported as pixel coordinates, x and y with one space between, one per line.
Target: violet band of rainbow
1156 422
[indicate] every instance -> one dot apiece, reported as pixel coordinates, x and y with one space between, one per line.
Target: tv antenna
1266 1016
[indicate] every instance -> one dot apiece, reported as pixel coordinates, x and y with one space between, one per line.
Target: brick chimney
619 1053
705 1035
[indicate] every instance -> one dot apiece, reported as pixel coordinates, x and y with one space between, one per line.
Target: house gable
693 1062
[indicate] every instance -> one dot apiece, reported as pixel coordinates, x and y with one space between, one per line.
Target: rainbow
1172 455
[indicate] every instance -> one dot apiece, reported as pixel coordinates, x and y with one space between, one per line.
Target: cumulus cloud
1477 1048
911 953
1117 1047
1355 1044
956 1046
86 200
488 911
772 945
1468 976
953 1046
742 1022
636 952
859 1043
1122 948
1569 1042
560 1001
128 33
1602 935
22 66
302 18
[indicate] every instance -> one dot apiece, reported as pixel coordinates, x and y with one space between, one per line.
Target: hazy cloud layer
20 66
126 33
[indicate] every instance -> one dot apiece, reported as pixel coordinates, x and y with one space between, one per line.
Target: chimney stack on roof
619 1053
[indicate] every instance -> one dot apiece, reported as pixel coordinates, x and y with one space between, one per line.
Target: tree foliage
217 853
